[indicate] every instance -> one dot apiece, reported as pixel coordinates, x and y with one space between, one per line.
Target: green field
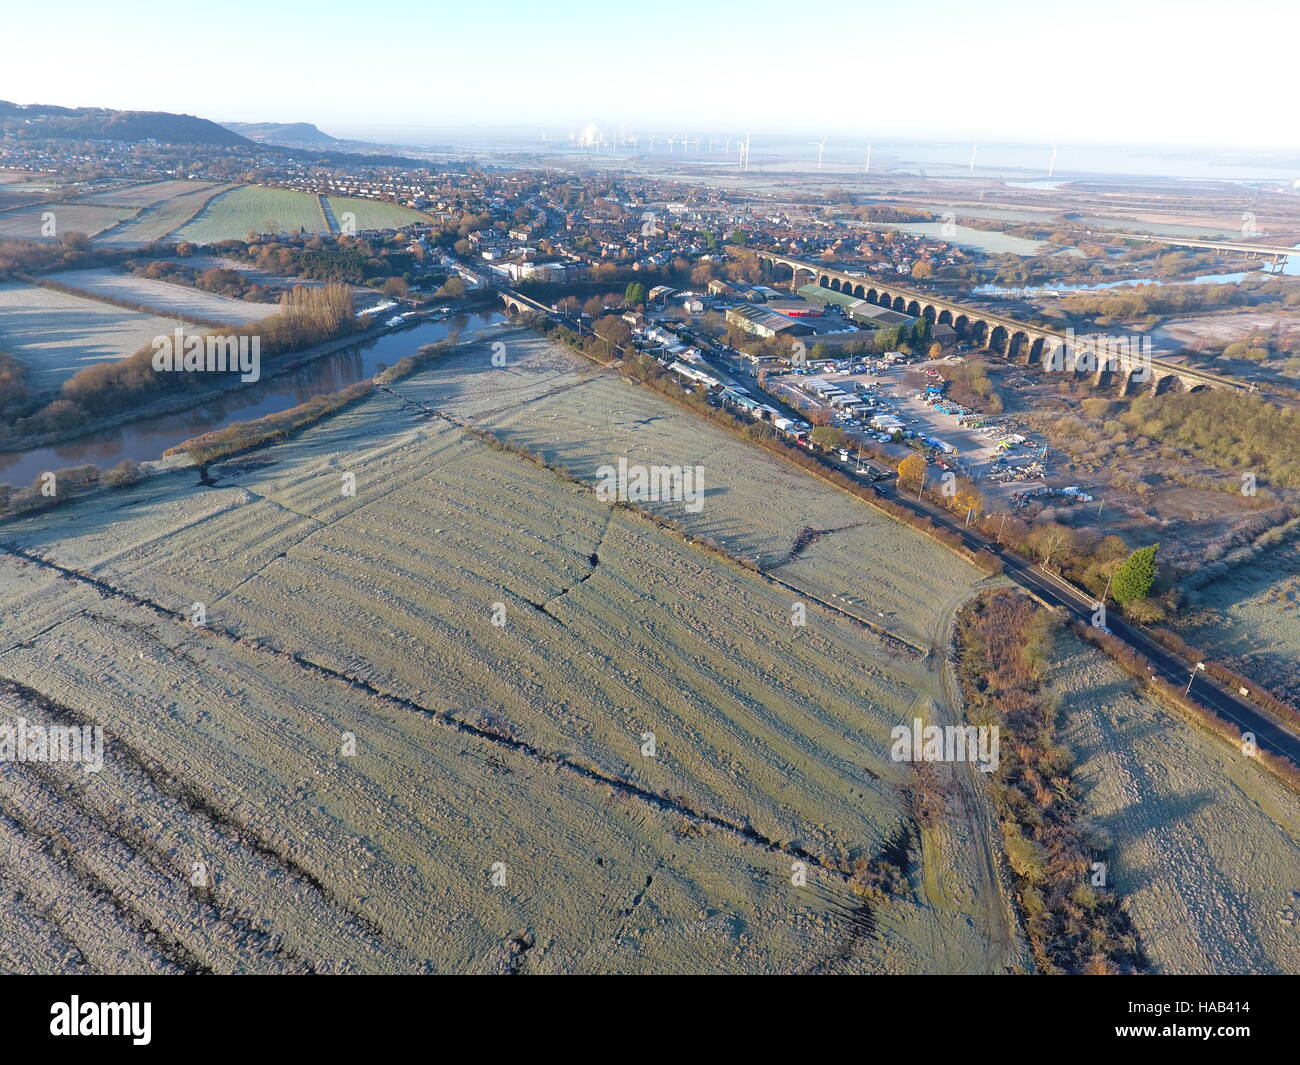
264 210
374 214
160 219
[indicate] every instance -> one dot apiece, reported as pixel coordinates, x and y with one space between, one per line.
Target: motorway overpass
1277 254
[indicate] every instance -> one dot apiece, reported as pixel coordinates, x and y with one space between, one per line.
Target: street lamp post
1200 666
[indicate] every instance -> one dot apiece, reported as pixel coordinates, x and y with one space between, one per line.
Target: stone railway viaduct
1108 365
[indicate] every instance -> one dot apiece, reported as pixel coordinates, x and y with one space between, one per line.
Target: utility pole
1001 527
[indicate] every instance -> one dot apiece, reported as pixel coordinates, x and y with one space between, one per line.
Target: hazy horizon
933 72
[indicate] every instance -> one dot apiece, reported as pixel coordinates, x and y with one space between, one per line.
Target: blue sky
1110 71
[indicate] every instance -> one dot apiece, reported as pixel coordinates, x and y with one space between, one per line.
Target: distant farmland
26 222
159 220
265 210
375 214
13 195
145 194
164 297
197 211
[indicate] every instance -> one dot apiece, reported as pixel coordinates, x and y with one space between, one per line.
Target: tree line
306 317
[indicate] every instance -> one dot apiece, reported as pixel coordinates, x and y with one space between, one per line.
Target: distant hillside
288 134
99 123
305 137
300 140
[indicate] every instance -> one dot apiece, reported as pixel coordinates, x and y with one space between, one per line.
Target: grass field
1206 843
14 196
548 400
167 299
1249 617
69 217
56 335
231 215
373 214
332 615
147 193
162 219
24 179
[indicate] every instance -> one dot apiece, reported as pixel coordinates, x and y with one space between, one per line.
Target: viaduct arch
1106 365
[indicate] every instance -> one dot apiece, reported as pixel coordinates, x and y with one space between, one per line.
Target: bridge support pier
1022 343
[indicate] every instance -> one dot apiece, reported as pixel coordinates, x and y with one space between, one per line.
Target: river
149 437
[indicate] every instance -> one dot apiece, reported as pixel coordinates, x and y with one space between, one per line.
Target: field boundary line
663 524
259 645
214 195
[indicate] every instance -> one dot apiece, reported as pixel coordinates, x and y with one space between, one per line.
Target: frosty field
334 619
28 223
1250 617
146 193
1207 842
550 401
56 335
163 218
166 298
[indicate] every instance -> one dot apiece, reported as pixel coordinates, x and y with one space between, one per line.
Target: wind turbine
1051 167
866 167
745 153
973 149
652 144
821 147
671 141
728 145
